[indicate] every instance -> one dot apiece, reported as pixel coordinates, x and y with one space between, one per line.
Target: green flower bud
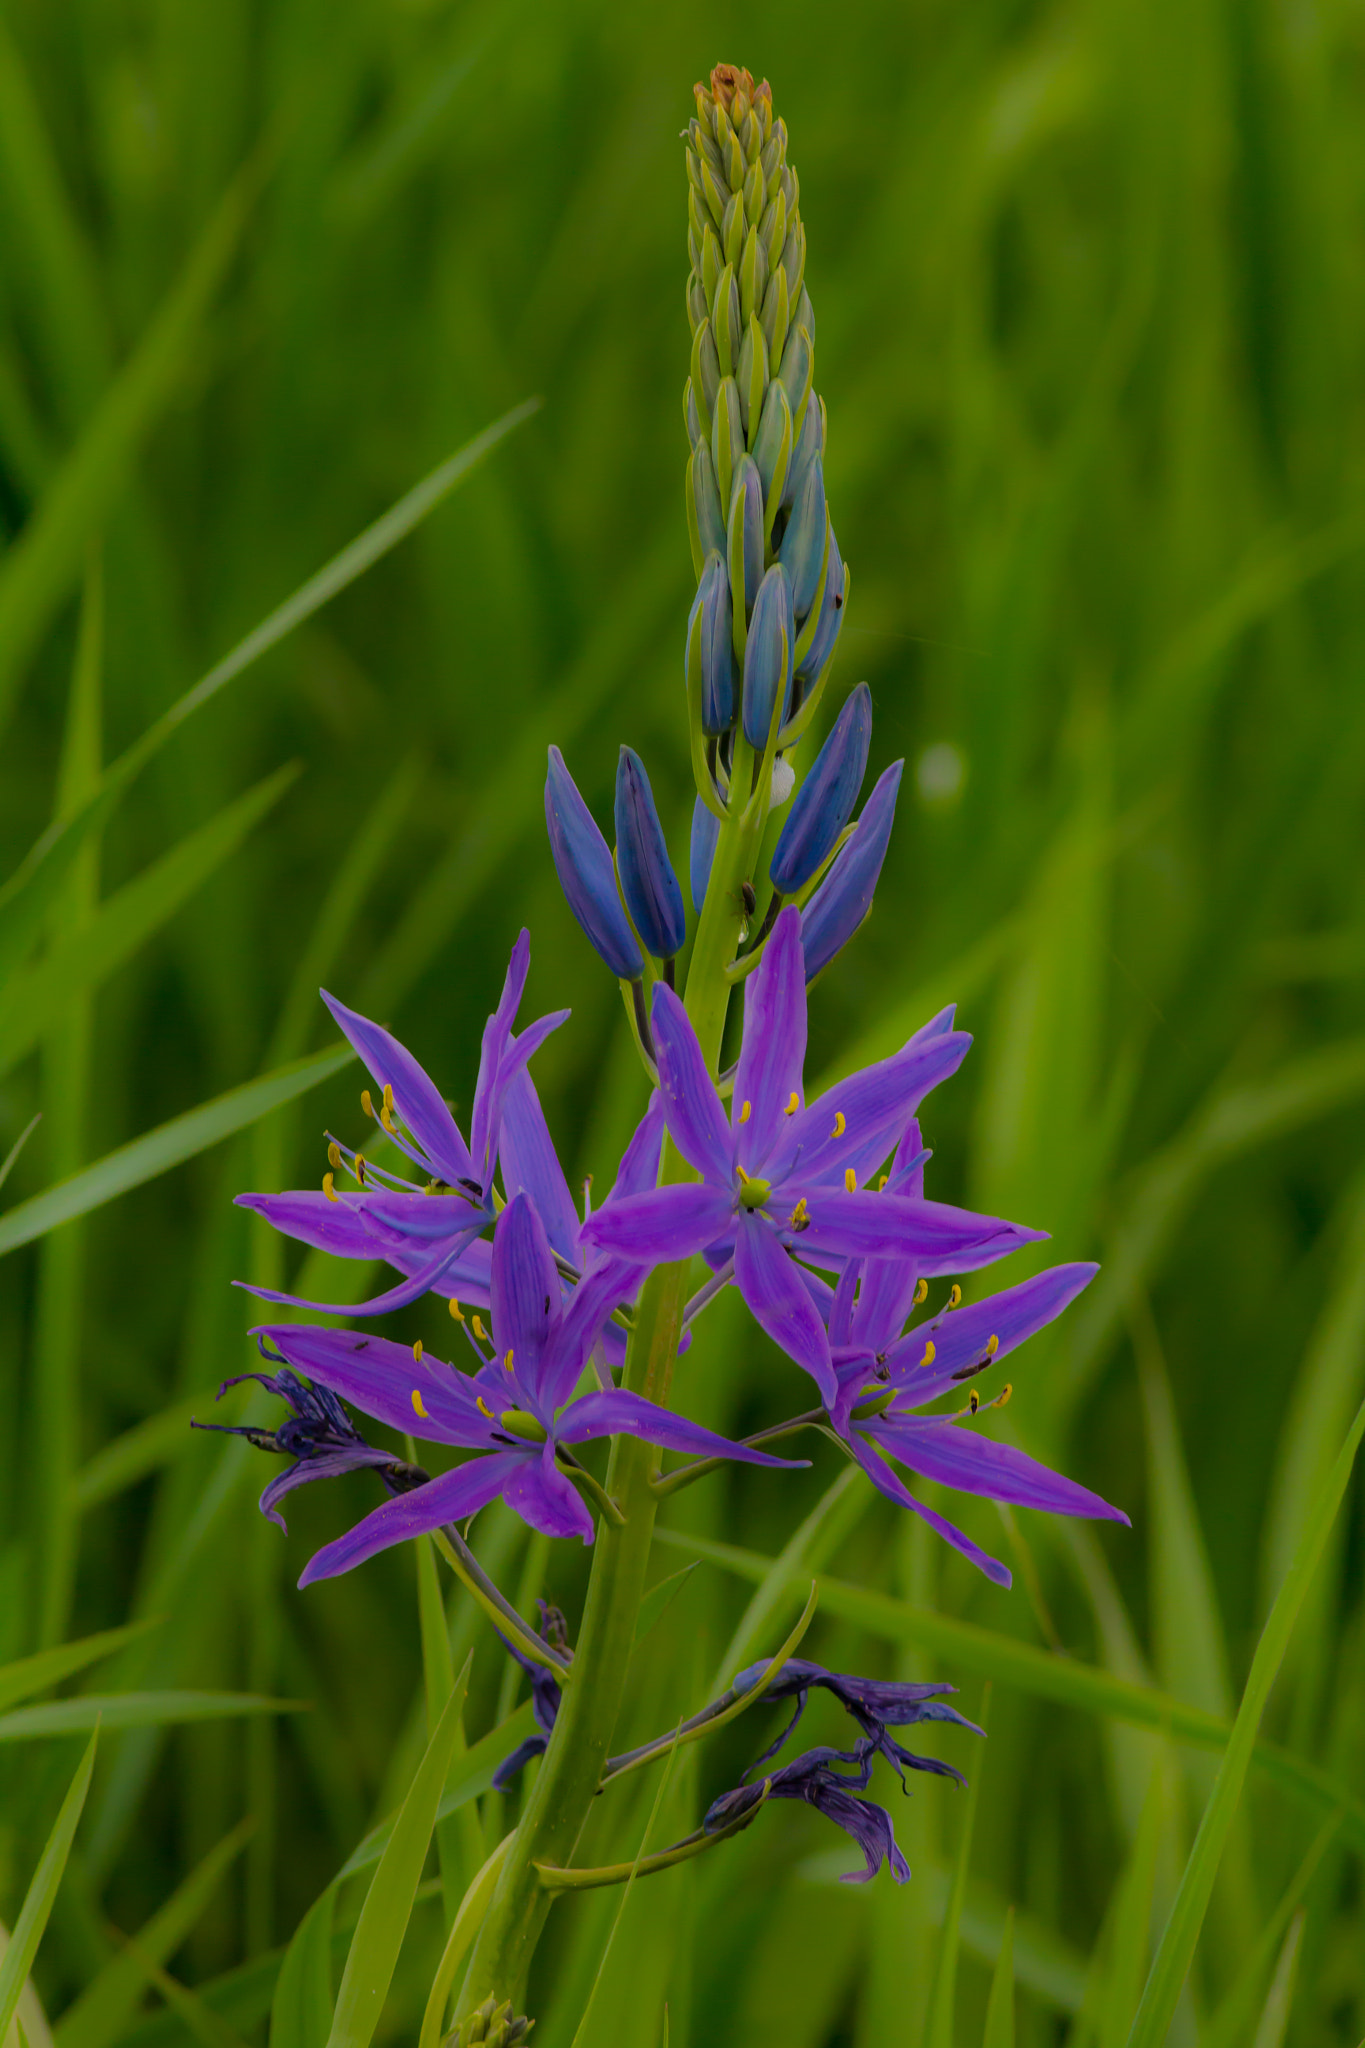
705 520
753 378
727 436
725 322
491 2026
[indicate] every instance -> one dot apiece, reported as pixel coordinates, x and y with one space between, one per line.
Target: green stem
594 1686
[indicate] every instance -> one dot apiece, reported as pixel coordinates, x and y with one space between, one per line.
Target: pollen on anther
328 1189
1004 1394
746 1112
973 1402
417 1406
850 1180
479 1331
417 1352
334 1155
882 1179
360 1168
365 1102
793 1104
456 1311
483 1406
507 1361
954 1295
929 1353
386 1112
921 1292
992 1346
840 1124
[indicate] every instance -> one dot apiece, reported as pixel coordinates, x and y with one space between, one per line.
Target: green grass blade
938 2026
470 1781
1274 2020
184 1137
104 2008
388 1903
999 2028
77 964
1131 1925
465 1925
130 1457
818 1537
301 2010
18 1957
205 2027
1231 2023
659 1599
27 1675
8 1164
1181 1934
582 2035
134 1710
29 891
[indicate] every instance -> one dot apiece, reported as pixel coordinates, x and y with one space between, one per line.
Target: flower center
518 1423
752 1193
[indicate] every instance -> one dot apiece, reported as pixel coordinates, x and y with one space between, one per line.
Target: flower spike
586 874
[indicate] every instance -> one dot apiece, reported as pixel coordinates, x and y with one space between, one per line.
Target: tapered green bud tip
491 2026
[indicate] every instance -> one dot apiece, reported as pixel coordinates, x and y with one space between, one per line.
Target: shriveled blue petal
856 1122
624 1414
416 1099
780 1304
937 1236
691 1104
531 1164
957 1455
824 803
662 1225
702 851
327 1465
773 1051
525 1288
962 1337
639 1169
768 657
648 882
451 1498
844 898
538 1491
381 1377
887 1482
583 863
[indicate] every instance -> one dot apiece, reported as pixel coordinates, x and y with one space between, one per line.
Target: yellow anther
365 1103
992 1346
800 1215
840 1124
479 1331
746 1112
954 1295
360 1168
793 1104
974 1402
881 1181
328 1189
921 1292
334 1155
1003 1395
929 1353
850 1179
483 1406
386 1113
417 1406
417 1352
507 1361
455 1309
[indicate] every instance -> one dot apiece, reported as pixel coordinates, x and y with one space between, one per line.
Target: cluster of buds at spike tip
490 2026
771 581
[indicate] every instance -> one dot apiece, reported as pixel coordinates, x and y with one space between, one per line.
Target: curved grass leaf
1274 2020
18 1956
1130 1926
938 2025
1231 2022
301 2011
999 2028
134 1710
184 1137
470 1781
27 1675
1181 1934
465 1925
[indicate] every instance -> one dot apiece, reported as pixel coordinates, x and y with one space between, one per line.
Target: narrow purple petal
426 1279
492 1049
416 1099
420 1220
531 1165
381 1377
542 1496
335 1226
665 1224
886 1481
606 1285
526 1288
939 1237
959 1456
857 1122
771 1286
691 1104
639 1169
623 1414
450 1498
488 1107
774 1046
960 1336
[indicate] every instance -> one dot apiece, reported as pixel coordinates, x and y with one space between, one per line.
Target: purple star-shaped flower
517 1411
422 1229
782 1176
884 1377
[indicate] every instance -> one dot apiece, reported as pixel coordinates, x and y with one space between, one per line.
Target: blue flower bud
705 833
746 533
706 500
826 799
768 656
773 446
830 620
844 898
648 882
713 648
583 863
809 443
803 544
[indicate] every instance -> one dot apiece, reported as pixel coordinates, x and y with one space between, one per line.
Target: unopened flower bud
705 516
802 552
583 863
844 898
809 443
648 882
705 833
710 649
827 797
812 662
746 535
768 656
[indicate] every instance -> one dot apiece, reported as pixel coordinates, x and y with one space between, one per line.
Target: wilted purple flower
779 1177
318 1435
844 898
546 1696
422 1230
648 882
517 1410
899 1374
824 803
875 1704
812 1777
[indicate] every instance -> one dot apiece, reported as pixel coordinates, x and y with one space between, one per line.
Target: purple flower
587 873
517 1411
317 1435
648 882
884 1377
875 1704
422 1229
812 1777
844 898
781 1176
825 801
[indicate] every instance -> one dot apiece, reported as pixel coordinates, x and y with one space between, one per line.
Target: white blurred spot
940 773
784 780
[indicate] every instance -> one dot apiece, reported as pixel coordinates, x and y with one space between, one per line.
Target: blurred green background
1090 289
